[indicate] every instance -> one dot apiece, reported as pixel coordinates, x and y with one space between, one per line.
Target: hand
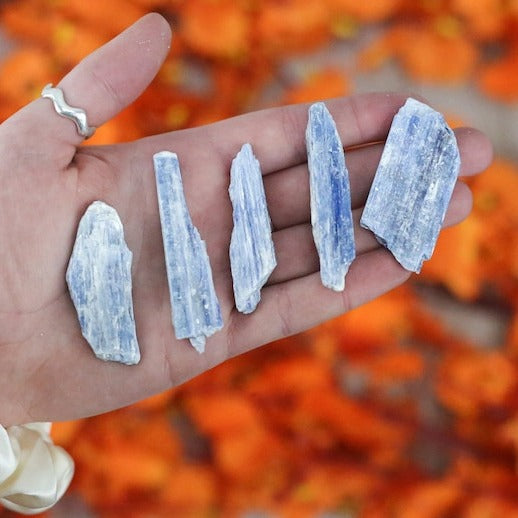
47 370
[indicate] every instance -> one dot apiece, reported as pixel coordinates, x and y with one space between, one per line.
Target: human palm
47 371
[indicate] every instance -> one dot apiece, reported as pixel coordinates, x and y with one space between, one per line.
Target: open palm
47 371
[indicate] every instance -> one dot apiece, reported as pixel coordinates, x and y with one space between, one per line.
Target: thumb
102 84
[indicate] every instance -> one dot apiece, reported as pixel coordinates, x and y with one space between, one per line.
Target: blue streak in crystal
99 282
252 256
413 184
195 307
331 216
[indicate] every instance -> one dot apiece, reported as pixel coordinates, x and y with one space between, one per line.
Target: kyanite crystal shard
99 281
195 307
252 257
331 216
413 184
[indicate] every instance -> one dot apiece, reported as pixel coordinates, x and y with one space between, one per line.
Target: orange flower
33 21
489 507
71 42
484 476
123 128
63 433
458 250
390 367
512 336
216 29
365 11
190 490
378 324
430 500
289 377
130 452
320 85
427 53
23 74
282 28
500 79
384 48
245 456
485 19
158 402
223 414
469 382
242 447
430 56
508 433
327 486
495 194
332 414
113 18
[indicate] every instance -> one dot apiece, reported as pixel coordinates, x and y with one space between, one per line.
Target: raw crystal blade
195 307
331 216
413 184
99 281
252 257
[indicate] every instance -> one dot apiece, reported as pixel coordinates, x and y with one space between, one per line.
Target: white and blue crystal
413 185
252 255
99 282
330 192
196 312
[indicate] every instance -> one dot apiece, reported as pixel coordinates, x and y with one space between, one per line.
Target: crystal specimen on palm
413 184
195 307
331 216
252 257
99 281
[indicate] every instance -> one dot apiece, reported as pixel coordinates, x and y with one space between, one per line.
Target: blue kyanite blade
413 184
99 281
252 257
331 216
195 307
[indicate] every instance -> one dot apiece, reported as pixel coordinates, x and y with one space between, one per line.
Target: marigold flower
320 85
500 79
216 29
469 382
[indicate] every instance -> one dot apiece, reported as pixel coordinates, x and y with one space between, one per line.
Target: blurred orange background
407 407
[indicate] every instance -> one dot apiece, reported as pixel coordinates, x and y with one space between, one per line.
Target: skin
47 180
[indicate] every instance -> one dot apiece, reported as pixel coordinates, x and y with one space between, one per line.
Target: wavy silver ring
77 115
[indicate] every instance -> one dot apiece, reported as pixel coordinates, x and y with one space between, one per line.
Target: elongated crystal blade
195 307
99 281
413 185
331 216
252 256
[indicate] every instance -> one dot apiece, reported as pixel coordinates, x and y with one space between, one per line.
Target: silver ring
77 115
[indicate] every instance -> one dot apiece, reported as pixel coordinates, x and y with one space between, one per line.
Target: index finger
278 134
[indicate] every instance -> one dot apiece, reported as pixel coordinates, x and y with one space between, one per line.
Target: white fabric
34 472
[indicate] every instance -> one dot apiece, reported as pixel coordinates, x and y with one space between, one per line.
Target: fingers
296 253
294 306
460 205
288 190
116 74
278 134
103 84
475 149
297 256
